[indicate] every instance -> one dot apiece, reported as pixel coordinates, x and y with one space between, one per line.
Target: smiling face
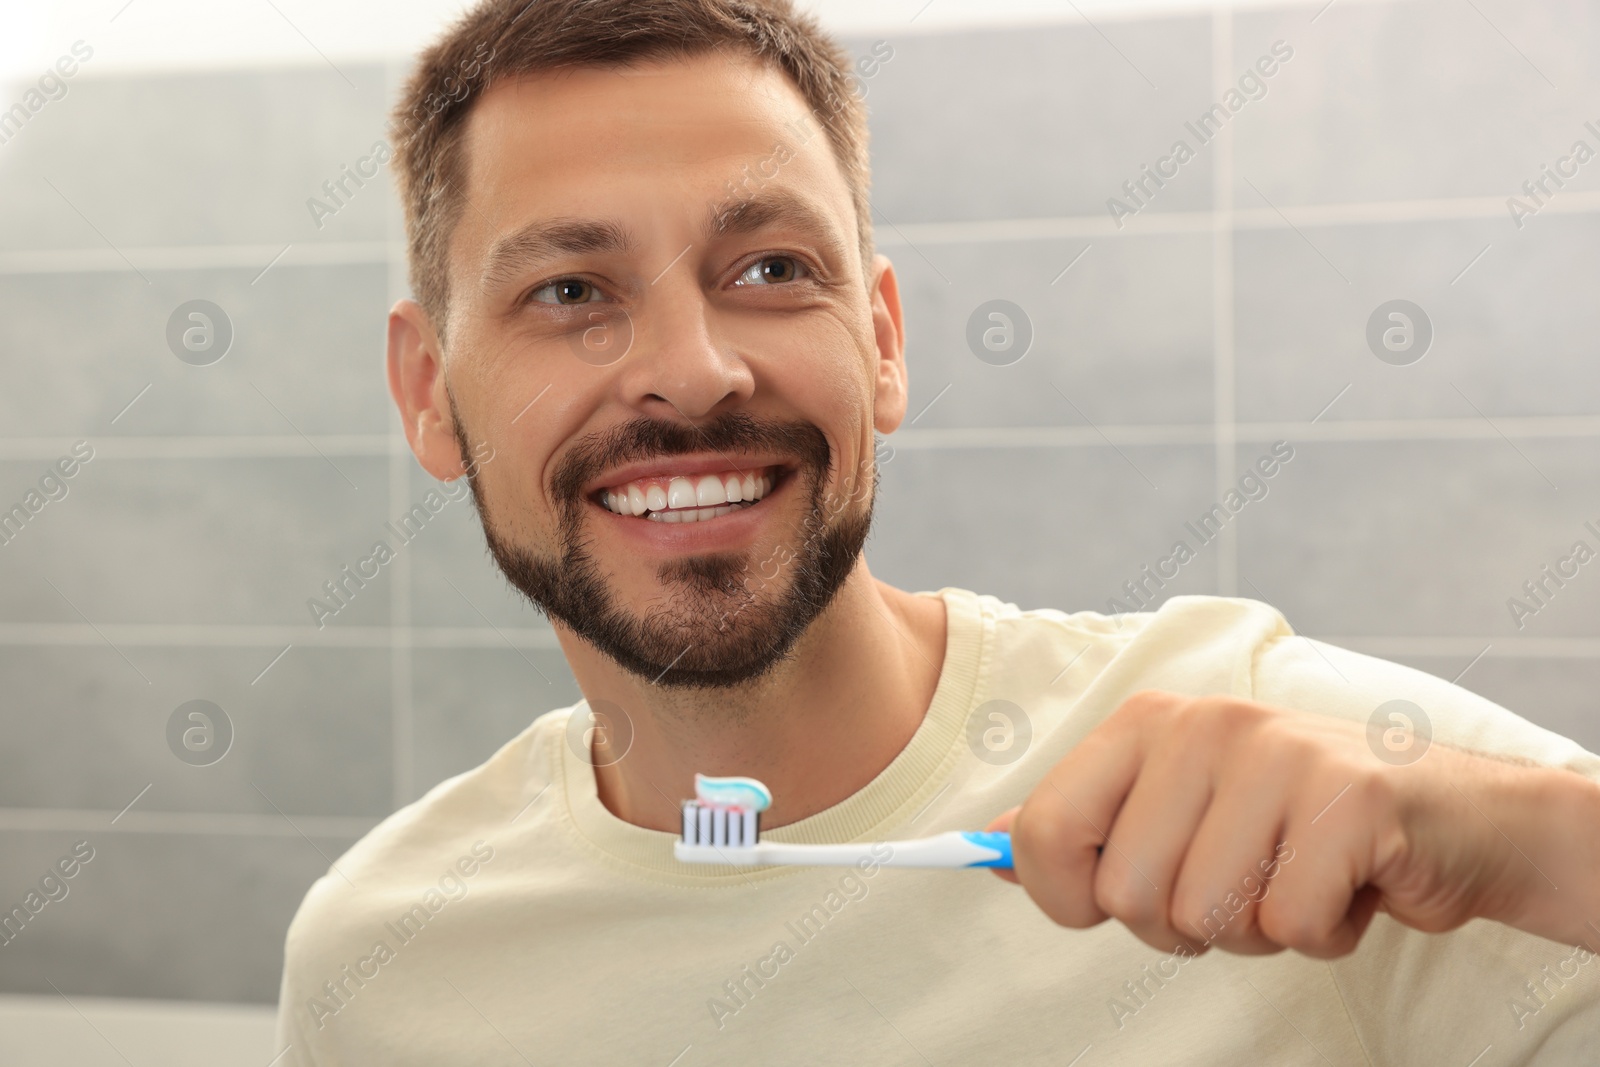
660 324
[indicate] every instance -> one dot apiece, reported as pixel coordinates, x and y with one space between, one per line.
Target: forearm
1547 822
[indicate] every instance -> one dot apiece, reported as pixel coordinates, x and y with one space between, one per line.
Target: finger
1317 906
1056 836
1002 824
1149 838
1230 867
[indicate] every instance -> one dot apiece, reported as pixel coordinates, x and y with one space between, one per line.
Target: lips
688 497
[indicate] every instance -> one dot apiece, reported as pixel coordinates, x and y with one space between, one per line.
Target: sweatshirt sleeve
1485 994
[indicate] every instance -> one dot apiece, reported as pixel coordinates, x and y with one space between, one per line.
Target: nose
678 364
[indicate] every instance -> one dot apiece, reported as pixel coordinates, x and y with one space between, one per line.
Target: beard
724 620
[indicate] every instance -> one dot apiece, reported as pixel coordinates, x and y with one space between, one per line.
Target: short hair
500 39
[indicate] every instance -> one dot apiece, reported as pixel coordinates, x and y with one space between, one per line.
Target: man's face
660 324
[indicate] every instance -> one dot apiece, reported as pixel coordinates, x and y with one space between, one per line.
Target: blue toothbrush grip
994 841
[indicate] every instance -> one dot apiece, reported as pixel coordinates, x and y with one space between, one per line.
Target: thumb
1002 824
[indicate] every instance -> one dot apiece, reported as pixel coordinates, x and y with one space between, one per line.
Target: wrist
1547 822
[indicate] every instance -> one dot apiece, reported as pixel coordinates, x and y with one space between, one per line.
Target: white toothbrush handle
947 850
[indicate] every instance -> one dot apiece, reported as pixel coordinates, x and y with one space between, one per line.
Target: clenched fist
1201 821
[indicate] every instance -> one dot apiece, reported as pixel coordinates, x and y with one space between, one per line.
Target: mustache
646 438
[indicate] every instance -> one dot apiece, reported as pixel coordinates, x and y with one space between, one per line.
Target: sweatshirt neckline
910 780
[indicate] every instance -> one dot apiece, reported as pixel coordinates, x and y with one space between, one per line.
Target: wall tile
1511 336
310 732
1056 528
1005 142
1131 312
193 159
468 702
307 353
1400 101
454 580
245 541
1425 538
193 917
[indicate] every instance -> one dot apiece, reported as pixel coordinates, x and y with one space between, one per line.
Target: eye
565 291
772 270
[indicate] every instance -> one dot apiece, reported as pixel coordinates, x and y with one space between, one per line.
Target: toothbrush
723 825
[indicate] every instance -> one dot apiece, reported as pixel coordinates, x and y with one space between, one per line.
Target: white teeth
685 499
680 494
693 514
710 490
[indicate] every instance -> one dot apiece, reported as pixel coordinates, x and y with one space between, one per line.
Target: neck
818 728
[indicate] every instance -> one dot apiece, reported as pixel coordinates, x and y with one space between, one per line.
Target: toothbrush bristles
720 826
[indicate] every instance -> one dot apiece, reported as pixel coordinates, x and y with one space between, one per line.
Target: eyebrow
549 239
778 207
552 238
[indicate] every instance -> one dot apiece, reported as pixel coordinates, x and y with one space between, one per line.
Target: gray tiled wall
1167 356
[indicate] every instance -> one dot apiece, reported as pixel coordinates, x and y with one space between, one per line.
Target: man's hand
1201 821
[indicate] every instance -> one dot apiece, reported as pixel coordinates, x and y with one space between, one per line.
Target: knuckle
1122 893
1296 928
1375 792
1040 830
1145 702
1199 916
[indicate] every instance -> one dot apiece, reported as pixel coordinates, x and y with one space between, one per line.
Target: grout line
1222 287
252 446
402 718
1336 431
229 635
199 257
1046 228
1286 217
80 820
1538 427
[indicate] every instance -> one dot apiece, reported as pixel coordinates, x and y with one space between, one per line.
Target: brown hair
506 38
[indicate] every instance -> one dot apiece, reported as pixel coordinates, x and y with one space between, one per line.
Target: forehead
597 140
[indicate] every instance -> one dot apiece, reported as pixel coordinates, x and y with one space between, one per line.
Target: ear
891 389
417 383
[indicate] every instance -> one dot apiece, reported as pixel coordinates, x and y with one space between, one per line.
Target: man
648 308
